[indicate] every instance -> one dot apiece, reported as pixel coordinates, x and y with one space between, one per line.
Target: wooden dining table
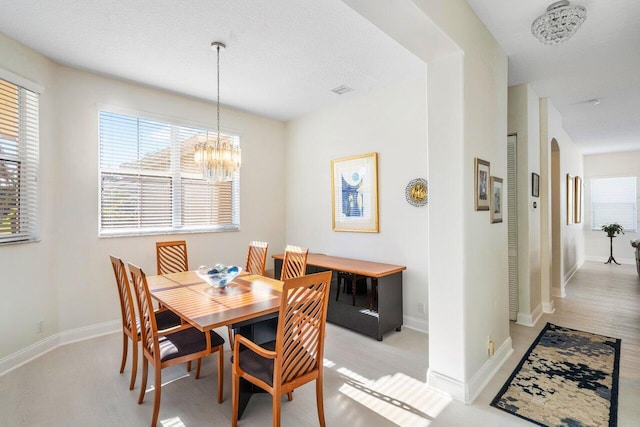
249 304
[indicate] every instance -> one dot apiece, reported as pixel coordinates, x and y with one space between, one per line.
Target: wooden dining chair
294 263
170 347
256 258
256 262
296 356
130 326
171 257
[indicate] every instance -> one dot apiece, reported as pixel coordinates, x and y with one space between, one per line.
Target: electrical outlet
40 326
421 307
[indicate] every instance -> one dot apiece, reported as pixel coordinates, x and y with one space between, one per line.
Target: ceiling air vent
341 90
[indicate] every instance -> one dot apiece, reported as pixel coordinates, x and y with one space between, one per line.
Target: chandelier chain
218 101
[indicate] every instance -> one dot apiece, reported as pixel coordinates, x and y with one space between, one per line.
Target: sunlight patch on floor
398 398
172 422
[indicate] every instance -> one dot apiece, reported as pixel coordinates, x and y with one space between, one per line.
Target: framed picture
577 209
354 193
570 199
535 184
496 202
481 192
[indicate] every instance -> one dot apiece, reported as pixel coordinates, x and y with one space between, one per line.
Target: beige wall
392 123
524 120
595 241
66 279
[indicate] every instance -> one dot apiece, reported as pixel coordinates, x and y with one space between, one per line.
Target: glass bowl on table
219 275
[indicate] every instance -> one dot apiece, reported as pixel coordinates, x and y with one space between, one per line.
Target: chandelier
558 23
219 158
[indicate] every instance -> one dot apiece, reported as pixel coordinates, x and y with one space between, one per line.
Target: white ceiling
602 60
284 56
282 59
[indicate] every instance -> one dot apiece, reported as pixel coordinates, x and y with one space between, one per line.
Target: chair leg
125 346
230 336
353 290
339 281
235 397
320 401
134 364
276 409
220 373
198 367
157 390
189 366
143 386
290 396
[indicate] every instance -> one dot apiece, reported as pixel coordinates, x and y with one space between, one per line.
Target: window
149 182
614 200
19 132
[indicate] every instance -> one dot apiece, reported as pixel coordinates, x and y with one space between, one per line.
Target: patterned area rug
567 378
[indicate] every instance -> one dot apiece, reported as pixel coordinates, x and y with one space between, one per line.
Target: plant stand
611 258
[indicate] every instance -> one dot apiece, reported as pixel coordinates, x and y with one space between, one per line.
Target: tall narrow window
614 200
149 182
19 132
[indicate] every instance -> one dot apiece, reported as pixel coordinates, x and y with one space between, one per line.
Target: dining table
249 304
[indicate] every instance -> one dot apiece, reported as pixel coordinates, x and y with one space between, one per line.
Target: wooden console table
361 317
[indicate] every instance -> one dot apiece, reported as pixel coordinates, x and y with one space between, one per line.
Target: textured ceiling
282 59
284 56
602 60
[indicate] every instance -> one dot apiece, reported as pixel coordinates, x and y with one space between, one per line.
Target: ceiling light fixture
219 159
558 23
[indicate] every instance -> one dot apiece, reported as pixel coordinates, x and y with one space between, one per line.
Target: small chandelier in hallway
559 23
220 158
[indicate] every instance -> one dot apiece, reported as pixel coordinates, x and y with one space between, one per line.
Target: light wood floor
367 383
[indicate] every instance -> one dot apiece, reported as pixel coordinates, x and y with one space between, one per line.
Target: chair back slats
256 258
294 263
300 335
171 257
124 292
148 325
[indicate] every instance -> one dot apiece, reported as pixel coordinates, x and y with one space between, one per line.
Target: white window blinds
149 182
614 200
19 148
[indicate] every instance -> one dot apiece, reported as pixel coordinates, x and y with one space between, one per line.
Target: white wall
467 118
72 285
524 120
391 122
596 242
572 238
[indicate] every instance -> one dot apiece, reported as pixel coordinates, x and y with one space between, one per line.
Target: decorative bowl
219 275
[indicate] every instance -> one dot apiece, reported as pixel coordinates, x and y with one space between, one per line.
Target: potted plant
612 229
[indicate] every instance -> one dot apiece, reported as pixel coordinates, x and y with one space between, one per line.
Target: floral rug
567 378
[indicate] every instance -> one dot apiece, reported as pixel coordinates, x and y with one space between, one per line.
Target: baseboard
416 323
628 261
35 350
468 392
530 319
481 378
549 307
569 275
558 292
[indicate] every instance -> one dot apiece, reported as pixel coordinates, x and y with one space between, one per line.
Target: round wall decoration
416 192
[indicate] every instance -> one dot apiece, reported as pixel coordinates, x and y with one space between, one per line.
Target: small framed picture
535 184
481 192
570 198
354 193
496 202
577 210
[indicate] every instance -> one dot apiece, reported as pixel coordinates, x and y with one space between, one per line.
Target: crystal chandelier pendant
559 23
219 158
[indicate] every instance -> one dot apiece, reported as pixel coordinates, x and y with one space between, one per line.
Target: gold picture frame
481 182
496 200
354 193
570 198
577 208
